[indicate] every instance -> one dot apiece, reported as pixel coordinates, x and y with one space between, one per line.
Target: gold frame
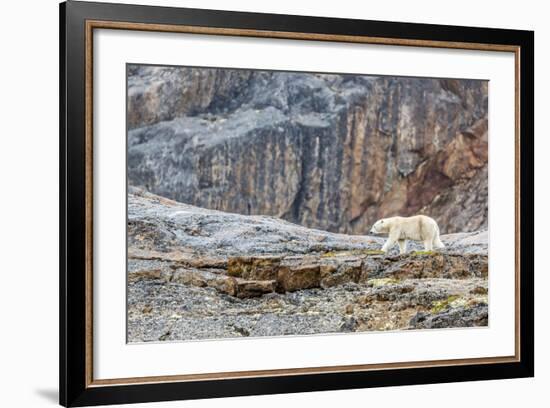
100 24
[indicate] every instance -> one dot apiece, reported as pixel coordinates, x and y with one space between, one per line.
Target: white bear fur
401 229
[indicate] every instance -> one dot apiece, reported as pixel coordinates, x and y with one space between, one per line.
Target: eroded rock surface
334 152
195 274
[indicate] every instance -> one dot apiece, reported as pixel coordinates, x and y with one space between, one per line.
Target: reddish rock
254 288
291 278
258 268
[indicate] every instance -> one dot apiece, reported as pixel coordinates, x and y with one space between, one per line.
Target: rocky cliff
333 152
195 273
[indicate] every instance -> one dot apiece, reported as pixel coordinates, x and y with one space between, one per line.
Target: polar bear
400 229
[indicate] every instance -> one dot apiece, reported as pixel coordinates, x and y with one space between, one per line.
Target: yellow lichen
372 252
440 305
459 302
419 253
356 252
383 281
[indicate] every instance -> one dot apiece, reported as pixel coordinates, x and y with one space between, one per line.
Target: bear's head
380 227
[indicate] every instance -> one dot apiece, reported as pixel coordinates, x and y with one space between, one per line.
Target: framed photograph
256 203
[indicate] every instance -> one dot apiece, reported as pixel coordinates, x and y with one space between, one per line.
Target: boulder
477 315
291 278
257 268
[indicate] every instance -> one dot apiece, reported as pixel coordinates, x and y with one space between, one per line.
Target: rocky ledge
195 273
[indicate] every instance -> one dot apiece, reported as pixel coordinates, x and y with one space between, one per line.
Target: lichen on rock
225 275
250 194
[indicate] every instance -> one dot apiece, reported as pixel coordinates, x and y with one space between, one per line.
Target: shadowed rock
477 315
334 152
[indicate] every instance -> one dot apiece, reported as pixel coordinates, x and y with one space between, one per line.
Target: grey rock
203 274
333 152
477 315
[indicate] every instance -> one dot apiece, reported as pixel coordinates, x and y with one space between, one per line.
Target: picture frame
79 21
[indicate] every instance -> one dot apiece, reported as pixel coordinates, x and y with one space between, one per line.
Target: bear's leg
388 244
437 243
392 239
428 245
402 246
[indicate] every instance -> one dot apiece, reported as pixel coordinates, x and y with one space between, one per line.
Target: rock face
334 152
195 273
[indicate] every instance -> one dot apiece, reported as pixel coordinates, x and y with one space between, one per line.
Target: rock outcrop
195 273
333 152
